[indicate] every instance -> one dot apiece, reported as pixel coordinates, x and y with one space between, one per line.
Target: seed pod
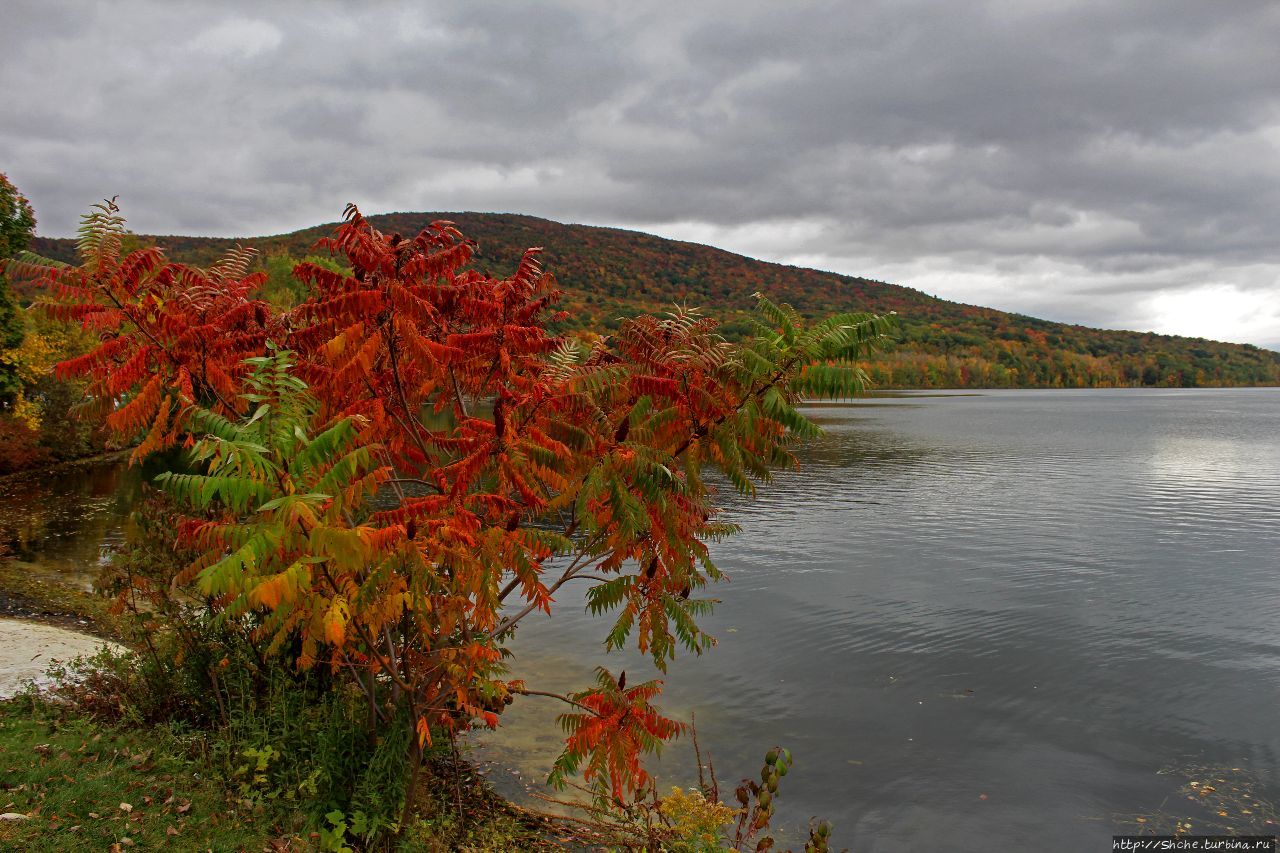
771 757
781 769
765 799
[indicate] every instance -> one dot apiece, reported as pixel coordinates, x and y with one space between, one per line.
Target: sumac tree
388 478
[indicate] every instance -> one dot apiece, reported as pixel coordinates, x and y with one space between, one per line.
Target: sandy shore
27 648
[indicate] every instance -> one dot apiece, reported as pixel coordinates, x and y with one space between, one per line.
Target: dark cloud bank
1115 164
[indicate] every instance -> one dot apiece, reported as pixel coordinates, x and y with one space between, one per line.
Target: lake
976 620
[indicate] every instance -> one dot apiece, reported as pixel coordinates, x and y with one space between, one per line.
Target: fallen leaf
126 807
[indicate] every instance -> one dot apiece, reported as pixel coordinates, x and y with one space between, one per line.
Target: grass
86 786
70 773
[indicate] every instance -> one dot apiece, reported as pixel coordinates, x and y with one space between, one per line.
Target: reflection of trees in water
62 521
854 454
849 446
854 438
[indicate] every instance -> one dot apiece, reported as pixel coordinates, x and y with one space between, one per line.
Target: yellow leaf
267 593
335 621
424 733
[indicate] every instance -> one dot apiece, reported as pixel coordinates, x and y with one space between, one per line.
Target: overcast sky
1109 163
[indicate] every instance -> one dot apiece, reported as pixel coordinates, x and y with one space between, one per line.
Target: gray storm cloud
1103 163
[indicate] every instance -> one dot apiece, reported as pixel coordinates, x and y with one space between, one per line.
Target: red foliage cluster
508 450
171 335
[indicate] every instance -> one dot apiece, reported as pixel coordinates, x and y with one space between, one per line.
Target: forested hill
608 273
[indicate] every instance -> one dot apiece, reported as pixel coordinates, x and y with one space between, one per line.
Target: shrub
387 479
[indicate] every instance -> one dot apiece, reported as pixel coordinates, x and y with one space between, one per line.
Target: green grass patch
86 786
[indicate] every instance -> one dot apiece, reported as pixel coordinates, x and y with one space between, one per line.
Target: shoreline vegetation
360 497
92 458
74 781
609 274
83 771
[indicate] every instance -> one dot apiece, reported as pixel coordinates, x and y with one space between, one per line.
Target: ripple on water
1099 569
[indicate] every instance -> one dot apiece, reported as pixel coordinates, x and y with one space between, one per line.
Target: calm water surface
982 620
975 620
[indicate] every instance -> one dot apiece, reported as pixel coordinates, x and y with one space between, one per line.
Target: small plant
255 775
697 824
686 821
756 799
334 836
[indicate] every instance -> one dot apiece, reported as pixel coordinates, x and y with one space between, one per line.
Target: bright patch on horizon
1219 312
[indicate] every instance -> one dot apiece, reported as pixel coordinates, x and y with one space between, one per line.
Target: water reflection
64 524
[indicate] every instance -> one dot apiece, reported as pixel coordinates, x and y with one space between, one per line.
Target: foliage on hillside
608 273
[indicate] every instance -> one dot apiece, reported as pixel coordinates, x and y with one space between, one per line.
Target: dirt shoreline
66 465
24 596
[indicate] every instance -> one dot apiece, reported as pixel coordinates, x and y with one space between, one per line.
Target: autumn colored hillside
608 273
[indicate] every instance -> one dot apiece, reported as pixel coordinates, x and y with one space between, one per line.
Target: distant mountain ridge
609 272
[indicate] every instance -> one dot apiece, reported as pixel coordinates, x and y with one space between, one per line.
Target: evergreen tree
17 226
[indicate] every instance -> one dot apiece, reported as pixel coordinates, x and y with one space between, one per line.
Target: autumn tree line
609 275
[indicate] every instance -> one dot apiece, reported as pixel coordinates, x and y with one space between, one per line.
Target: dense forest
610 273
